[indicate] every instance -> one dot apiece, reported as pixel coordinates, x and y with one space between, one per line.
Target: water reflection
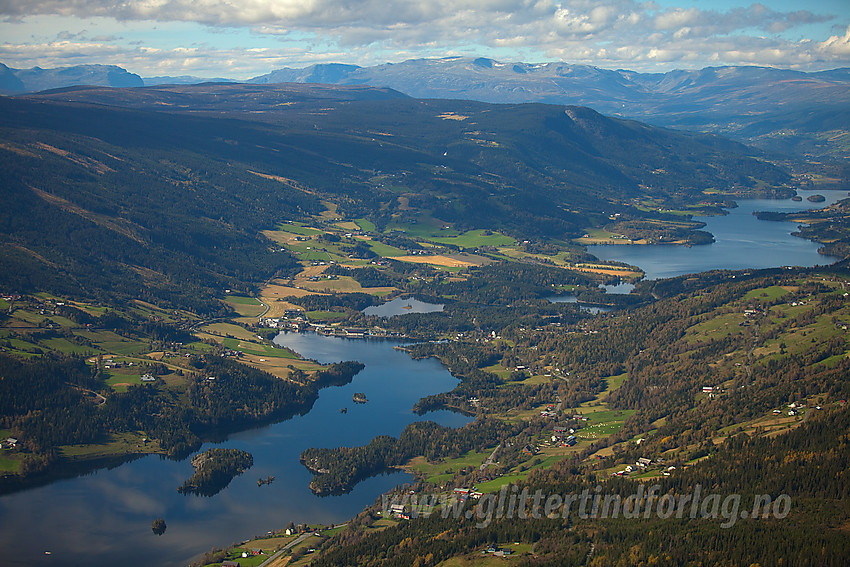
104 518
741 241
402 306
620 288
595 309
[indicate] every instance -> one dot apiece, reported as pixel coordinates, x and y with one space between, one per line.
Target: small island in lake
214 469
816 198
267 480
359 398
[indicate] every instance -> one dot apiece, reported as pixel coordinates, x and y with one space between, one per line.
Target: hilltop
790 112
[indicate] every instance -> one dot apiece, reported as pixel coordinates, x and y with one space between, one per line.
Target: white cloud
607 33
838 46
677 18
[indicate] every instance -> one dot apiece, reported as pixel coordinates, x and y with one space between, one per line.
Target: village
295 321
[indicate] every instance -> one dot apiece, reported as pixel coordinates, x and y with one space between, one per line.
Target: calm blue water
742 241
595 309
104 518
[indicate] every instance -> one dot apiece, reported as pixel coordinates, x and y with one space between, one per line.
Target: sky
240 39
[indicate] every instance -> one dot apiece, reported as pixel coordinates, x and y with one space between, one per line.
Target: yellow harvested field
274 291
331 212
283 238
435 260
310 271
452 116
278 308
277 366
606 271
344 284
281 561
604 452
590 240
348 225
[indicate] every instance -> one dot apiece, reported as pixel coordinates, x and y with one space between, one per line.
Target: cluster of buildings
530 450
563 435
399 511
111 363
466 493
300 324
497 551
793 409
549 412
642 464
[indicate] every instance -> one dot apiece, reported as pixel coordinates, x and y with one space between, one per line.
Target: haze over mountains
789 112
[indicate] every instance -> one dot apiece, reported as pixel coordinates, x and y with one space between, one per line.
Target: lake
104 518
741 241
402 306
595 309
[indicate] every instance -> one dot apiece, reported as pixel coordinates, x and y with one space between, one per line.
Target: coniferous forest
150 254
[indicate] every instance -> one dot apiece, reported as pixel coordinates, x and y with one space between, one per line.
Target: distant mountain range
15 81
611 92
789 112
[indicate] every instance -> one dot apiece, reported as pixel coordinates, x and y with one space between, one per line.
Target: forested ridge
760 343
808 463
338 470
133 198
149 255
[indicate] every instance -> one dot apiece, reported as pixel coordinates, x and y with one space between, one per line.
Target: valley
162 262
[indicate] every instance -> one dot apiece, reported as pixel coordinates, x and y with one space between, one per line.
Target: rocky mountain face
38 79
9 82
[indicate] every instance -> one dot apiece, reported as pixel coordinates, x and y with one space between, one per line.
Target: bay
741 241
104 518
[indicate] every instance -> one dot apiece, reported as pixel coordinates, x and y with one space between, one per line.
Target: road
263 314
281 551
489 460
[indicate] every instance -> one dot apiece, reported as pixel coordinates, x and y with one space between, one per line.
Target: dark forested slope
153 192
